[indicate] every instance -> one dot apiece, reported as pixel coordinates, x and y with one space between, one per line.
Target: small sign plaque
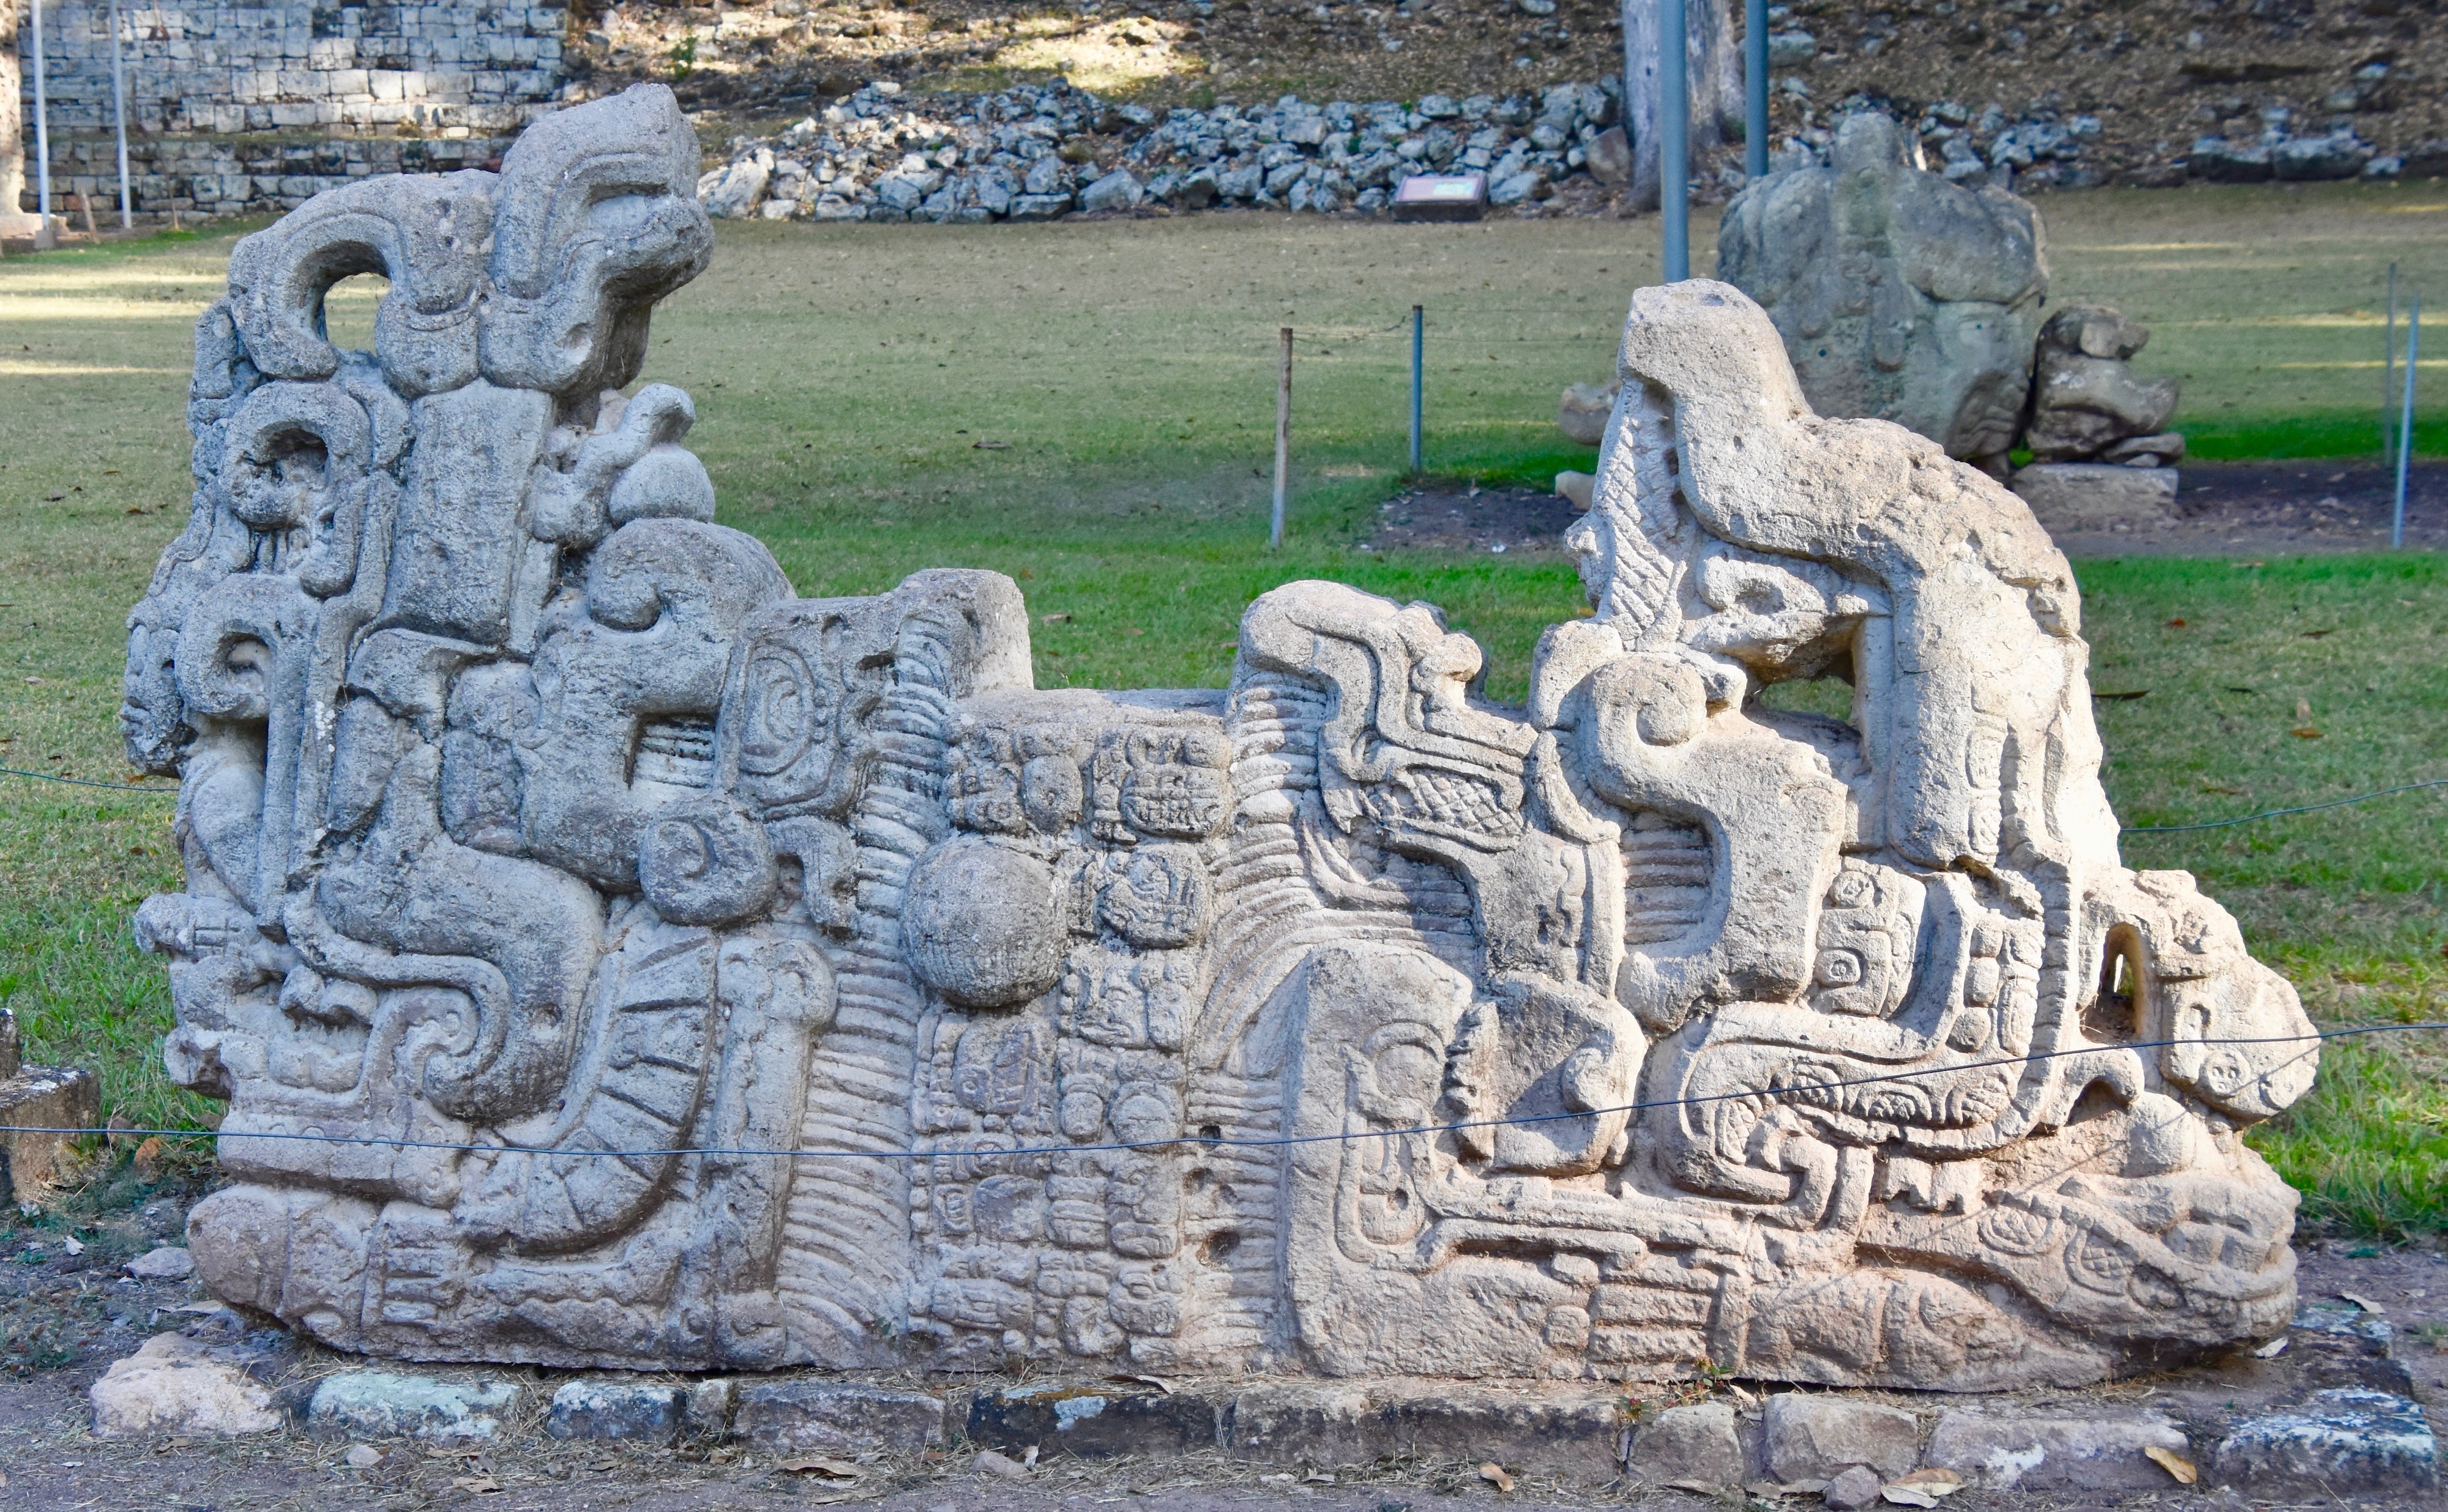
1442 196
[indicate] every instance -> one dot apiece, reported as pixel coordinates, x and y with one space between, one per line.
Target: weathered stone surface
1854 1490
1898 295
1584 411
569 874
2049 1451
2347 1439
2069 497
1697 1442
168 1263
631 1410
2085 400
781 1416
1094 1422
33 1097
174 1385
1813 1437
383 1405
1117 190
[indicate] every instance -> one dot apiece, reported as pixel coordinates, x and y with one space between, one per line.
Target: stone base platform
2327 1411
2075 498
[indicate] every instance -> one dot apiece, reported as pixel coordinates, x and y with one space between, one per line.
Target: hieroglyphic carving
552 859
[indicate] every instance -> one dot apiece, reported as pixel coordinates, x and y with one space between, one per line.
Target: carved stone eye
1839 968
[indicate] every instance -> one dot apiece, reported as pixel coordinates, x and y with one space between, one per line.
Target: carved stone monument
1899 295
554 873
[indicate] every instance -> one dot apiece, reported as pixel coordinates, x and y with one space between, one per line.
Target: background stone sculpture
554 873
1899 295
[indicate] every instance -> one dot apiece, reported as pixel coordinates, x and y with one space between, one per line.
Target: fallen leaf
75 1246
2177 624
990 446
1930 1480
2315 635
1317 1478
2306 732
1157 1381
818 1464
1028 1460
477 1484
2137 693
1740 1395
2243 564
2174 1463
1494 1474
1055 619
363 1456
1695 1488
2362 1302
2223 792
2303 710
2237 689
1908 1496
2272 1349
607 1467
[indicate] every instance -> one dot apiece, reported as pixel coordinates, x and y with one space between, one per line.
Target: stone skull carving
612 958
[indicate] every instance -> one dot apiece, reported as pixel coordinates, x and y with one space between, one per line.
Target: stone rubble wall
233 105
1034 154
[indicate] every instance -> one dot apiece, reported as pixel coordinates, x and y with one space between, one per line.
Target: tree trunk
1713 65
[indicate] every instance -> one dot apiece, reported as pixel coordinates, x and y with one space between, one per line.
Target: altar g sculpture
554 873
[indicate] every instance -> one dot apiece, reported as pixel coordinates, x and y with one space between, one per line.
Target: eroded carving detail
546 849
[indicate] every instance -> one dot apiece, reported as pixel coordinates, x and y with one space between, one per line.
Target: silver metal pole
119 109
2405 421
44 238
1755 89
2388 371
1418 341
1283 439
1674 138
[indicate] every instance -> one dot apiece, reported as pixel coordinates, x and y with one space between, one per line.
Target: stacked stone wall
238 106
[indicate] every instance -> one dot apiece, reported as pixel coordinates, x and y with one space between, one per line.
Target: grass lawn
1089 409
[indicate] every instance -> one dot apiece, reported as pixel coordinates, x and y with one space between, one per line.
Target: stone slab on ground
2074 498
1816 1438
791 1415
174 1385
633 1411
2046 1451
1700 1442
2342 1439
385 1405
42 1097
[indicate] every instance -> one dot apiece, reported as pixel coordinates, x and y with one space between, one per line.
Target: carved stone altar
545 851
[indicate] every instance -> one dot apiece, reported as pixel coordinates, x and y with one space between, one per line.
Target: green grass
844 377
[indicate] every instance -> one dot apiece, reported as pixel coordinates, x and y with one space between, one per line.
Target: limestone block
639 1411
1812 1437
381 1405
2073 497
1697 1442
691 977
2051 1451
1897 293
836 1417
2085 400
41 1097
2342 1440
174 1385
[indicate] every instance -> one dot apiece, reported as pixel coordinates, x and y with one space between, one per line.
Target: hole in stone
348 315
2114 1014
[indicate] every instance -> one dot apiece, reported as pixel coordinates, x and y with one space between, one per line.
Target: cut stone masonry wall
235 107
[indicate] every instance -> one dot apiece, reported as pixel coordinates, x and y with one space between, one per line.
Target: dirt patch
2227 508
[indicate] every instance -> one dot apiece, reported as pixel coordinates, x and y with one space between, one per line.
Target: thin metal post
119 109
2405 421
1755 89
2388 371
1283 439
1419 342
1674 138
45 238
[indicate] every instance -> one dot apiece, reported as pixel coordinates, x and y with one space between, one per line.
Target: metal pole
2405 421
2389 371
1755 89
44 238
1674 138
119 109
1418 341
1283 439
